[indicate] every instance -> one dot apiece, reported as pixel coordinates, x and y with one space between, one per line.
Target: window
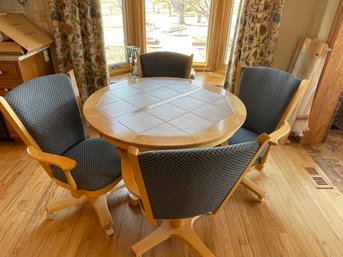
200 27
114 32
178 26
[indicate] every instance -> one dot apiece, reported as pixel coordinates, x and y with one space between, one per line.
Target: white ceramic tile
223 103
142 100
212 113
190 123
206 96
117 108
188 103
118 84
107 99
141 122
182 87
165 130
167 112
164 93
147 85
165 82
125 92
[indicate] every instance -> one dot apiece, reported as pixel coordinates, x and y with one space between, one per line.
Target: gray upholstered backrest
190 182
266 93
48 109
164 64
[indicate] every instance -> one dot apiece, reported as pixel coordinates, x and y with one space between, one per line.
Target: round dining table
162 113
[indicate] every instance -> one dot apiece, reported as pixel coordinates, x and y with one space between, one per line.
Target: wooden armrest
263 138
64 163
279 133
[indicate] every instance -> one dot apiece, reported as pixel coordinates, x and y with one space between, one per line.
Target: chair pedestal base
254 188
60 205
99 205
182 229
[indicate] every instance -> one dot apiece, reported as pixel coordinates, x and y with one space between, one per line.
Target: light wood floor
294 220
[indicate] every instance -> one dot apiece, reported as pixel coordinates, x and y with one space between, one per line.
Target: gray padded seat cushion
190 182
164 64
48 109
243 135
98 164
266 93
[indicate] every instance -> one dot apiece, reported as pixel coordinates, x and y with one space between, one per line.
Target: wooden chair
177 186
46 115
270 97
164 64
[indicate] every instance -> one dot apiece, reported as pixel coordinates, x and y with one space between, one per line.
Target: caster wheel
260 199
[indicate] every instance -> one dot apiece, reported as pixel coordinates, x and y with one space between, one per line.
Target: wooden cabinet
15 70
9 71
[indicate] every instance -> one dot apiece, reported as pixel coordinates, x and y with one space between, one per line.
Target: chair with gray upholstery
164 64
270 97
46 114
177 186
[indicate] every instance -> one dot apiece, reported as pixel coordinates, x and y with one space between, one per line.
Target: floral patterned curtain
256 36
78 33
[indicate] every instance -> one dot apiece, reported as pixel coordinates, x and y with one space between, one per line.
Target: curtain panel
256 36
78 33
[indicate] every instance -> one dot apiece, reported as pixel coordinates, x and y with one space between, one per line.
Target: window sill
118 70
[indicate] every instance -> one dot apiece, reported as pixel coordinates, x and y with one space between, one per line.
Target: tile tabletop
164 112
